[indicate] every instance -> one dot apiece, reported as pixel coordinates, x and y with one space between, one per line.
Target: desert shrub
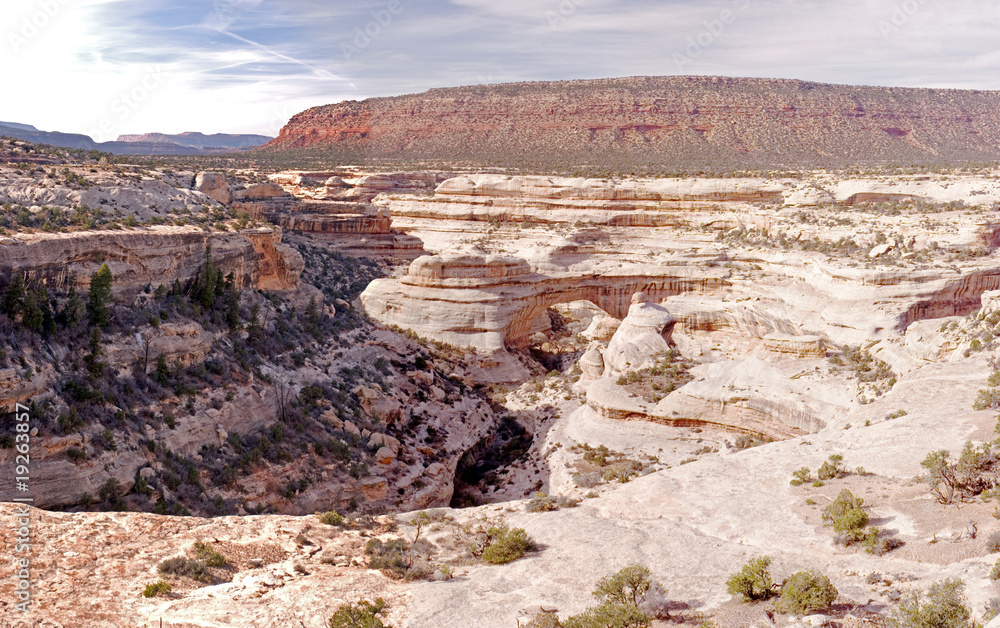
541 503
878 544
544 620
995 572
609 615
942 606
806 592
156 588
991 609
993 543
801 476
567 502
389 555
627 586
589 479
331 518
207 553
364 614
846 516
831 469
505 544
618 473
963 478
753 581
191 567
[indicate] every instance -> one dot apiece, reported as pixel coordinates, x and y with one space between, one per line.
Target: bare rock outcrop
151 256
488 302
214 185
643 334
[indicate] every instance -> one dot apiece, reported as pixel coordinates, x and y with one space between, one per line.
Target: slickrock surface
90 570
679 122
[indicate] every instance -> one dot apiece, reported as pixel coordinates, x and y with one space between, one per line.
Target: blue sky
107 67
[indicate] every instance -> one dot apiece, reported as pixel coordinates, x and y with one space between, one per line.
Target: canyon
663 353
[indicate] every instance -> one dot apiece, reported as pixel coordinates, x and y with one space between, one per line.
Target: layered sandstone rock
152 256
489 302
214 185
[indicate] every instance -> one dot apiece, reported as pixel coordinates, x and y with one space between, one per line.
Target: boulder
592 362
644 333
385 455
213 185
374 487
880 250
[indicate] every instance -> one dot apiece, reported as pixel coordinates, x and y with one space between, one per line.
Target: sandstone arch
488 302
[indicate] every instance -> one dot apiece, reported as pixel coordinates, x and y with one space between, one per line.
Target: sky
110 67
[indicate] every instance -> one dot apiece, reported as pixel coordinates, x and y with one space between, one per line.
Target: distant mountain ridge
147 144
672 122
200 140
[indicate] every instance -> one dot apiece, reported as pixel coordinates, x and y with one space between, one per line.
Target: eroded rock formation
152 256
489 302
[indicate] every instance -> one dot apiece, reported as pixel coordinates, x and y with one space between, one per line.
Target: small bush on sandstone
831 469
191 567
753 582
364 614
846 516
156 588
942 606
541 503
878 544
205 551
627 586
331 518
609 615
993 543
505 544
806 592
389 555
995 572
801 476
544 620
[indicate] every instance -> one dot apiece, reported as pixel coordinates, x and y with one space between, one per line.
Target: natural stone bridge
488 302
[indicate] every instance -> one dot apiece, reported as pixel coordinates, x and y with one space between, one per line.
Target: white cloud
242 67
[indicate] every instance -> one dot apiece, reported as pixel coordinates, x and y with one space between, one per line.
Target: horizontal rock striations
676 122
489 302
152 256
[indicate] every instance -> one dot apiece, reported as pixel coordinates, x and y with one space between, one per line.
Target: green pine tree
13 297
100 297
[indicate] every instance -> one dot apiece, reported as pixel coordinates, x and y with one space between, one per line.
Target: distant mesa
145 144
675 123
200 140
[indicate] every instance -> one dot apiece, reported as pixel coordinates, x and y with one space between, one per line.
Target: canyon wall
152 256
